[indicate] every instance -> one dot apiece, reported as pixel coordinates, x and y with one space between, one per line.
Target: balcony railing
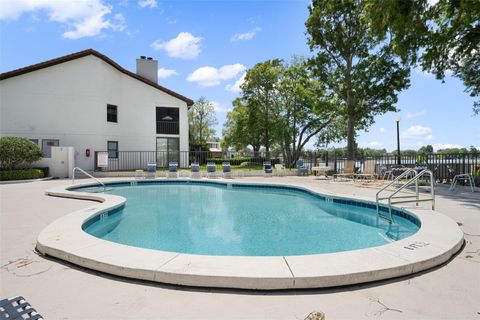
167 127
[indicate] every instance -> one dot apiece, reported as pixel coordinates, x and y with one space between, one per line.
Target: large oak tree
359 70
442 38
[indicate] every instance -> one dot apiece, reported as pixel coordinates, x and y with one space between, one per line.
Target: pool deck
61 290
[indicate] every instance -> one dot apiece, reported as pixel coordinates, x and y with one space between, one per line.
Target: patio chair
211 170
368 170
322 170
462 177
172 170
279 170
18 308
195 173
348 171
301 168
267 169
151 170
226 170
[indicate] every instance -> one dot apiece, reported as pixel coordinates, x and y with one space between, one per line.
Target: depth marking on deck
416 245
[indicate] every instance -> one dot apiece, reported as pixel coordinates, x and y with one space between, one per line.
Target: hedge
21 174
239 161
45 170
233 161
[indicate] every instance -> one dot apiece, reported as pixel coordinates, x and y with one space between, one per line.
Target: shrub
330 172
16 150
233 161
45 170
21 174
245 164
239 161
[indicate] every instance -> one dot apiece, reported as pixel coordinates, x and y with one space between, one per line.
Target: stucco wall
68 102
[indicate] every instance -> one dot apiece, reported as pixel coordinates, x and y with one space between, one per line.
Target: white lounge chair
279 170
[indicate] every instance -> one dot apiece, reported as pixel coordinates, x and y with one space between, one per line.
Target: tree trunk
256 150
351 139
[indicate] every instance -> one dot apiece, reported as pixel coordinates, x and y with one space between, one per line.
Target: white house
88 101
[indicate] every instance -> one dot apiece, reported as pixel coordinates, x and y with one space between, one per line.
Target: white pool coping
437 240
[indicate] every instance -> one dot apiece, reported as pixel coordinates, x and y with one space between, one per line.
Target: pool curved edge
437 240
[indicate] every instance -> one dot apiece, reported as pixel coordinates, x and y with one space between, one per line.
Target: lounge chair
267 169
195 173
368 170
211 170
301 168
151 170
279 170
348 171
322 170
226 170
18 308
463 177
172 170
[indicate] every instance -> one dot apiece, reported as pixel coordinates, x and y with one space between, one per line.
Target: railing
87 174
167 127
406 198
443 166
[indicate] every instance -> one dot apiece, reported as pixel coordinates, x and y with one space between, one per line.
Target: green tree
426 149
443 38
242 126
260 92
15 151
305 111
453 151
201 119
359 70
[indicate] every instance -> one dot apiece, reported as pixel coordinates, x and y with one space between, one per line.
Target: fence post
334 160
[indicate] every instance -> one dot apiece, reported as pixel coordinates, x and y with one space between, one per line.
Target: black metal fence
443 165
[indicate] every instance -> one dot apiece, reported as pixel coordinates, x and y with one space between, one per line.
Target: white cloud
236 86
210 76
412 115
382 130
218 107
164 73
417 132
245 36
147 3
184 46
82 18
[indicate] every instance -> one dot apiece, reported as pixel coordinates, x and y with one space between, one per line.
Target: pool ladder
87 174
406 198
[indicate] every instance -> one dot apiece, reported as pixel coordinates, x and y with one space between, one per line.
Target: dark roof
84 53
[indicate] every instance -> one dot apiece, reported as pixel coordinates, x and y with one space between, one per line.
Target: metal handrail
88 174
405 173
417 194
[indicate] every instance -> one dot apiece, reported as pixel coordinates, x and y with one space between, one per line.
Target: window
167 120
47 145
112 148
112 113
34 141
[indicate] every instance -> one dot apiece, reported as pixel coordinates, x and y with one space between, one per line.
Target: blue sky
204 48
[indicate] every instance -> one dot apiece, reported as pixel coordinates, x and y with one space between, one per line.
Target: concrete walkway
62 291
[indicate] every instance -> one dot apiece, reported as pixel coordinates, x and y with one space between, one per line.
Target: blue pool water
216 219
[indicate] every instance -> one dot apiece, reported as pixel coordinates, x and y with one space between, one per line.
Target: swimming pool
242 220
259 248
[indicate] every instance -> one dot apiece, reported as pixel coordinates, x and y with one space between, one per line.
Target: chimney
147 68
